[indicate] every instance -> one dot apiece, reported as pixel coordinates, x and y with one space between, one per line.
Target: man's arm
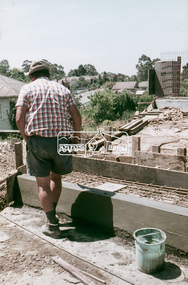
77 121
20 120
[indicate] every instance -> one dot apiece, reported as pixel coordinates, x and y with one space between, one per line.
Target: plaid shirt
47 105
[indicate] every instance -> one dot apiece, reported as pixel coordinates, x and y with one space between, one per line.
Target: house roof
143 84
9 87
124 85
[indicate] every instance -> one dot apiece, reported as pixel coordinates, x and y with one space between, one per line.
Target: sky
110 34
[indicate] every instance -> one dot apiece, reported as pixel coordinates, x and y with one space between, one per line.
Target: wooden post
135 144
18 154
108 138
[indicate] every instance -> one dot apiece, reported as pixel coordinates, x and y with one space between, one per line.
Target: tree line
104 105
57 71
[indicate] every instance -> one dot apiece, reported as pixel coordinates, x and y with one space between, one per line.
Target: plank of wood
94 277
73 270
18 154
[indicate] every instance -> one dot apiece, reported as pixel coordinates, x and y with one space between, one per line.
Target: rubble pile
7 158
173 114
170 114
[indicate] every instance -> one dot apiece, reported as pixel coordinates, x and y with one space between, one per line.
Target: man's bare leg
46 198
45 194
56 187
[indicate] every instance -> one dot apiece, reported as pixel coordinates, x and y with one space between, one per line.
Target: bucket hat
36 66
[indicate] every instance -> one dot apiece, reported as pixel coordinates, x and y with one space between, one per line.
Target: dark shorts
43 157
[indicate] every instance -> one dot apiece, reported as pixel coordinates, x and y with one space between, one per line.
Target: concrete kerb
115 210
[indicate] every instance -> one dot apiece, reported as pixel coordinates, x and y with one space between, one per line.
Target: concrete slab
181 103
115 210
27 254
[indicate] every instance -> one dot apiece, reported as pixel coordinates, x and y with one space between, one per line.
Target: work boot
51 230
60 221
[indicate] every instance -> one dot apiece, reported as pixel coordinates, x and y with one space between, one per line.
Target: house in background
127 85
9 90
142 87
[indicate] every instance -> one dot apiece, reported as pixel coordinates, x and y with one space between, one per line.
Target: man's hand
20 120
75 139
77 123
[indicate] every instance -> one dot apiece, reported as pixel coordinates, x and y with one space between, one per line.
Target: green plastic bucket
150 249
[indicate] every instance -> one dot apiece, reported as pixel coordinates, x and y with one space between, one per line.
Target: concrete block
181 151
136 141
115 210
126 159
156 148
29 190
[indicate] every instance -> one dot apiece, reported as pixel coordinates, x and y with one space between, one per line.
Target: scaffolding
169 76
171 71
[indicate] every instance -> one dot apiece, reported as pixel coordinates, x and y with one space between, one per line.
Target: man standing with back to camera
44 109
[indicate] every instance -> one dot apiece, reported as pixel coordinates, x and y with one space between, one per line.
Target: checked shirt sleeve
22 98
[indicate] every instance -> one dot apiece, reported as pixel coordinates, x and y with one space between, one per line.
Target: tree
17 74
56 71
144 64
4 67
82 83
90 70
101 107
87 69
184 88
25 65
144 98
73 72
106 105
124 102
81 70
185 71
121 77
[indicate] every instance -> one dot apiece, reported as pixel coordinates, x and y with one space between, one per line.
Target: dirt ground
26 255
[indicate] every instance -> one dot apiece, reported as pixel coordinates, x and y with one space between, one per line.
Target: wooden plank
94 277
140 173
138 128
10 181
73 270
130 125
18 154
13 190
